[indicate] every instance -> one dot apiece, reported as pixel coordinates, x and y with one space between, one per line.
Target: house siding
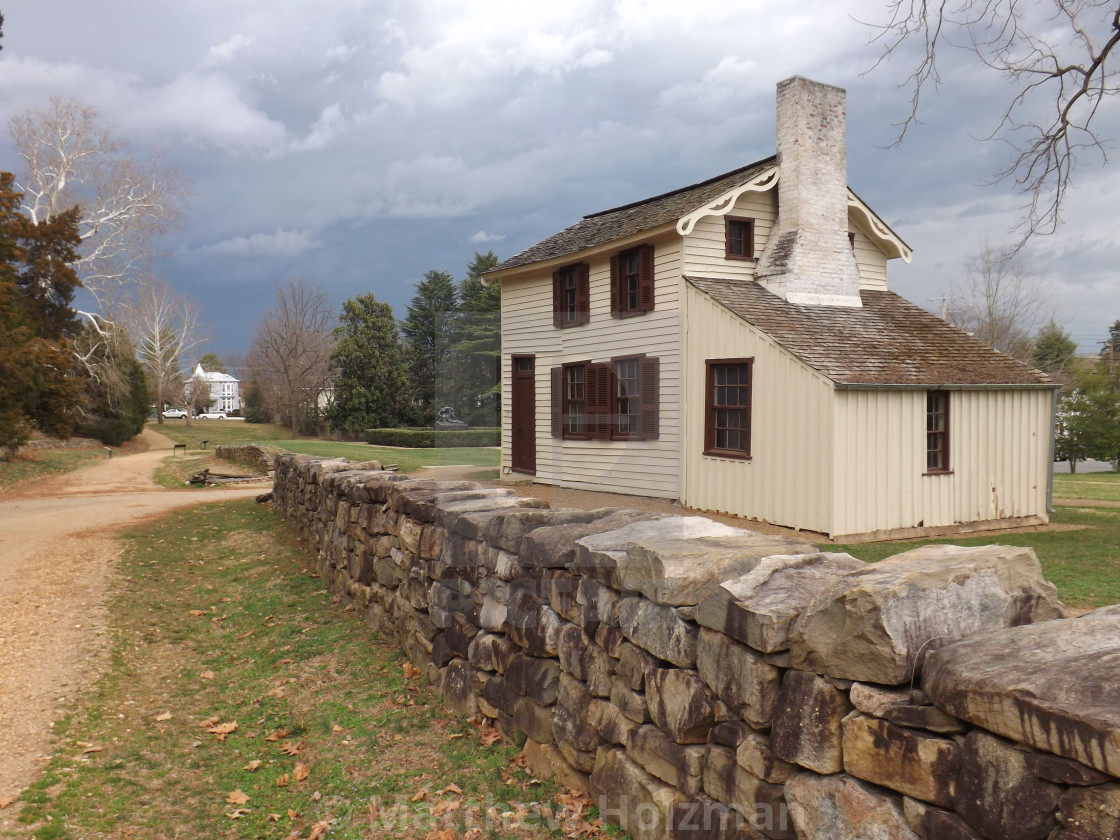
998 460
527 328
703 251
788 479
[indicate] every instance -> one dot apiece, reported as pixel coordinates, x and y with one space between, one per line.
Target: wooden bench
175 449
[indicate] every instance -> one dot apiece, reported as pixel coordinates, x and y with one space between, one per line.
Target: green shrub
430 438
112 431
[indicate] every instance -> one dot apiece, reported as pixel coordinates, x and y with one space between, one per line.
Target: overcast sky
359 143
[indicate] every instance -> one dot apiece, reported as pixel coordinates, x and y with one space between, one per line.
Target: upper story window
937 431
739 237
632 282
571 295
727 409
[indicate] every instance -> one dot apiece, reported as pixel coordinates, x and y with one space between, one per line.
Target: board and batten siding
704 249
788 480
999 459
648 468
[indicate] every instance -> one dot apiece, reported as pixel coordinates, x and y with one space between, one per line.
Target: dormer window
739 238
632 282
571 295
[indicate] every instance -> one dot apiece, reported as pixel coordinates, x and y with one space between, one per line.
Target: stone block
629 797
633 664
998 795
756 757
554 546
680 564
613 725
930 718
1064 771
1029 684
871 624
598 555
560 592
679 765
599 604
921 766
576 730
658 630
681 704
630 703
545 761
835 807
702 818
942 825
499 695
532 625
729 733
531 676
740 676
533 719
470 518
1089 814
808 727
759 607
489 652
455 688
874 700
581 760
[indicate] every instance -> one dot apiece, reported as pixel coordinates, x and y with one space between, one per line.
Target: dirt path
57 553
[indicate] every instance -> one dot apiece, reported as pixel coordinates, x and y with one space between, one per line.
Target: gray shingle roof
890 341
630 219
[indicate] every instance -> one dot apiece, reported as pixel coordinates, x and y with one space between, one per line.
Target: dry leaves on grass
411 672
221 730
164 716
253 765
237 798
288 748
301 772
278 734
319 830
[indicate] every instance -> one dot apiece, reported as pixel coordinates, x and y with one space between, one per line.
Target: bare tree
164 327
292 348
999 301
1055 53
71 157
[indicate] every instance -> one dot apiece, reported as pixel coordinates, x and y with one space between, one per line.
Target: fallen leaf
335 727
246 635
292 815
206 675
452 788
5 801
89 750
285 662
278 734
238 813
210 721
277 692
164 716
221 730
319 830
288 748
419 796
442 807
489 735
253 765
198 612
237 798
274 818
445 834
301 772
282 781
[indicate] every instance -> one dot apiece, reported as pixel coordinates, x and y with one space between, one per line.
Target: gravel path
57 554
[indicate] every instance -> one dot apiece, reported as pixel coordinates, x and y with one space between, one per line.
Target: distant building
224 390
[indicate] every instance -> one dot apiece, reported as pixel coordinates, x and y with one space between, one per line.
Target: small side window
739 235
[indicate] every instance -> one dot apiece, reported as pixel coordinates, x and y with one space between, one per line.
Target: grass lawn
1099 486
243 700
266 434
1084 564
29 465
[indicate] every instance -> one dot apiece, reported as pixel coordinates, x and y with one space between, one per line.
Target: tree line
362 369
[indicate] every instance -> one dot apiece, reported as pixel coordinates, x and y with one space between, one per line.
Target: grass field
1098 486
242 700
30 465
266 434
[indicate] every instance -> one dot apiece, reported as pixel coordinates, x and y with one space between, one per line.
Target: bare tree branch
1060 65
164 327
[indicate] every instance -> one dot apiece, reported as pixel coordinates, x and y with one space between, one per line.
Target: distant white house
224 389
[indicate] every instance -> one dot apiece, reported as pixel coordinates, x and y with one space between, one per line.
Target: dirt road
57 553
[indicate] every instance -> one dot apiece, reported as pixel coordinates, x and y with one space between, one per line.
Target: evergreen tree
39 386
1054 352
212 364
427 332
371 378
475 388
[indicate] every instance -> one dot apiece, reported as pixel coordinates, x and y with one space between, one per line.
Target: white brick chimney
808 258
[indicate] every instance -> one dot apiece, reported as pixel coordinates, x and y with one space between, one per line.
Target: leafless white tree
72 157
1059 57
999 301
292 348
165 328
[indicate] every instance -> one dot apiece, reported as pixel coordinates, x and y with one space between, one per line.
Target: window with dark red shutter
727 408
649 390
599 401
635 393
557 402
571 295
632 286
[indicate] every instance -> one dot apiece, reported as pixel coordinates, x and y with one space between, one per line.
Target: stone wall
703 681
258 457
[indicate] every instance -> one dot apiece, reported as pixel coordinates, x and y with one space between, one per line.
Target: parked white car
174 414
211 415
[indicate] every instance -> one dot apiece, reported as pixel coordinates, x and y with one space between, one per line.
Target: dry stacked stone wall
703 681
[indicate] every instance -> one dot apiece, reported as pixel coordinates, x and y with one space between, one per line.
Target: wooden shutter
616 287
649 398
558 402
557 300
645 278
583 293
599 401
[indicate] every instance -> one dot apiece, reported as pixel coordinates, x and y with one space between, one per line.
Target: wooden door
523 456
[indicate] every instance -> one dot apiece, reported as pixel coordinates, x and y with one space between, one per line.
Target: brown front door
523 457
